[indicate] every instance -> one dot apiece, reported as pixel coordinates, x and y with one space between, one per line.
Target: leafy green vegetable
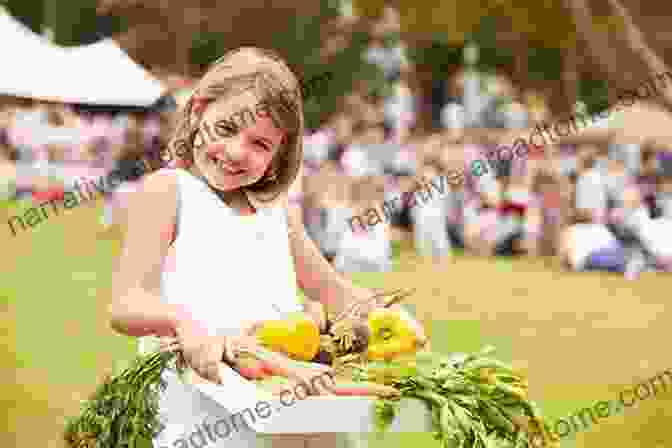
123 410
475 401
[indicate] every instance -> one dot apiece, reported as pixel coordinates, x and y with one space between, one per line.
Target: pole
48 20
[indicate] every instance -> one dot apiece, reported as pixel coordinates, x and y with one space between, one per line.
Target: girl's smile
218 160
241 156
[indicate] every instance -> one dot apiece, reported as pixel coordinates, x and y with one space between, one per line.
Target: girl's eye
226 128
230 129
262 144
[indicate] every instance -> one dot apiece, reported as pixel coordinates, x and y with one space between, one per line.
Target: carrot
251 368
364 389
251 373
275 364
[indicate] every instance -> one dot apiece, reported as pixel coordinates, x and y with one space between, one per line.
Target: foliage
123 410
301 47
474 400
74 22
544 64
594 94
28 12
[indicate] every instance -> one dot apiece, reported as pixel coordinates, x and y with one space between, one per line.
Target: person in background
452 115
400 110
664 186
391 56
452 160
7 169
318 146
654 250
482 193
356 160
365 249
586 245
335 210
644 220
519 222
430 218
591 188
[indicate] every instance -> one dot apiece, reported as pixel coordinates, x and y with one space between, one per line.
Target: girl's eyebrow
270 142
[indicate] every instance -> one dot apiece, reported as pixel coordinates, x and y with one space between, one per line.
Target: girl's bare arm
323 283
137 308
315 275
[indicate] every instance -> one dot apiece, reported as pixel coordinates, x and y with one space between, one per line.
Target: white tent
97 74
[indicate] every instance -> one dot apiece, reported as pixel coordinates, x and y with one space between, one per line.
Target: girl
213 246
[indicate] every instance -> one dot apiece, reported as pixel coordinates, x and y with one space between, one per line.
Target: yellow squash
391 335
298 336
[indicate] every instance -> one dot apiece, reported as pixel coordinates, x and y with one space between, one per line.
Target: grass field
580 337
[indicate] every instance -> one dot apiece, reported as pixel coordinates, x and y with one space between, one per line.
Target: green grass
53 289
54 296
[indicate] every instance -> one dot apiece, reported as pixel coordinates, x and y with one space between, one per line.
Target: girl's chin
225 182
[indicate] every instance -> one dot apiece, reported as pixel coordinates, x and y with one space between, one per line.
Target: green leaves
385 410
123 410
475 400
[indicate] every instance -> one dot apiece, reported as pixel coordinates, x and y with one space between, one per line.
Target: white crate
324 414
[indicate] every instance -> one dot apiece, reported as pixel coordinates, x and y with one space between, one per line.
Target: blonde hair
279 95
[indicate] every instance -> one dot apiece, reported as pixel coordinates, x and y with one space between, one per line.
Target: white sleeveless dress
229 269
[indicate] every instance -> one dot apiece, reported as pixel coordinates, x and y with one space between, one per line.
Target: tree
623 53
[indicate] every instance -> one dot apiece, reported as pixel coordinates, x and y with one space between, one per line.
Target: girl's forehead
232 105
242 109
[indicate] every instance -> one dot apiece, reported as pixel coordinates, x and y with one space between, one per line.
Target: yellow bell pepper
297 336
391 335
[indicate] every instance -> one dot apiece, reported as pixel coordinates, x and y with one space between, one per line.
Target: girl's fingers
211 372
252 328
170 348
167 341
167 344
229 349
206 365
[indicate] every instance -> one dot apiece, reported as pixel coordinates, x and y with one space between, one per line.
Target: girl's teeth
220 165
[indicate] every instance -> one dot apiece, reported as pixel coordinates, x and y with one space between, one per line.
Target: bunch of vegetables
123 410
476 401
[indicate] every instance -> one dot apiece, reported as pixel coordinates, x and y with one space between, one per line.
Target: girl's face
235 145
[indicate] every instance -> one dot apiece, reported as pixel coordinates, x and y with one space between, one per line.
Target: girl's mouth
223 167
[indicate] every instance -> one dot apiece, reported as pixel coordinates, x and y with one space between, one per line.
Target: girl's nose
235 151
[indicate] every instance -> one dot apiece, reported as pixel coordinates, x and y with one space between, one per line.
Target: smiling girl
214 245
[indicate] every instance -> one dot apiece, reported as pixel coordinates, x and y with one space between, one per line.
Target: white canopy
97 74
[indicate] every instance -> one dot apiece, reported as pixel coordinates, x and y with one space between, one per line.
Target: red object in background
508 207
49 195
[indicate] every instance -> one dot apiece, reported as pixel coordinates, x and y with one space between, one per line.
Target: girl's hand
201 351
317 312
204 352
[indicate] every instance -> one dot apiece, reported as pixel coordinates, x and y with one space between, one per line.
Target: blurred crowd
596 205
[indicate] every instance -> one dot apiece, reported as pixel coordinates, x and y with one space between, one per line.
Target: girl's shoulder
164 180
156 189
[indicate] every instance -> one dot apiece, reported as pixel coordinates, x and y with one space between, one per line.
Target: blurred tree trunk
569 80
624 55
